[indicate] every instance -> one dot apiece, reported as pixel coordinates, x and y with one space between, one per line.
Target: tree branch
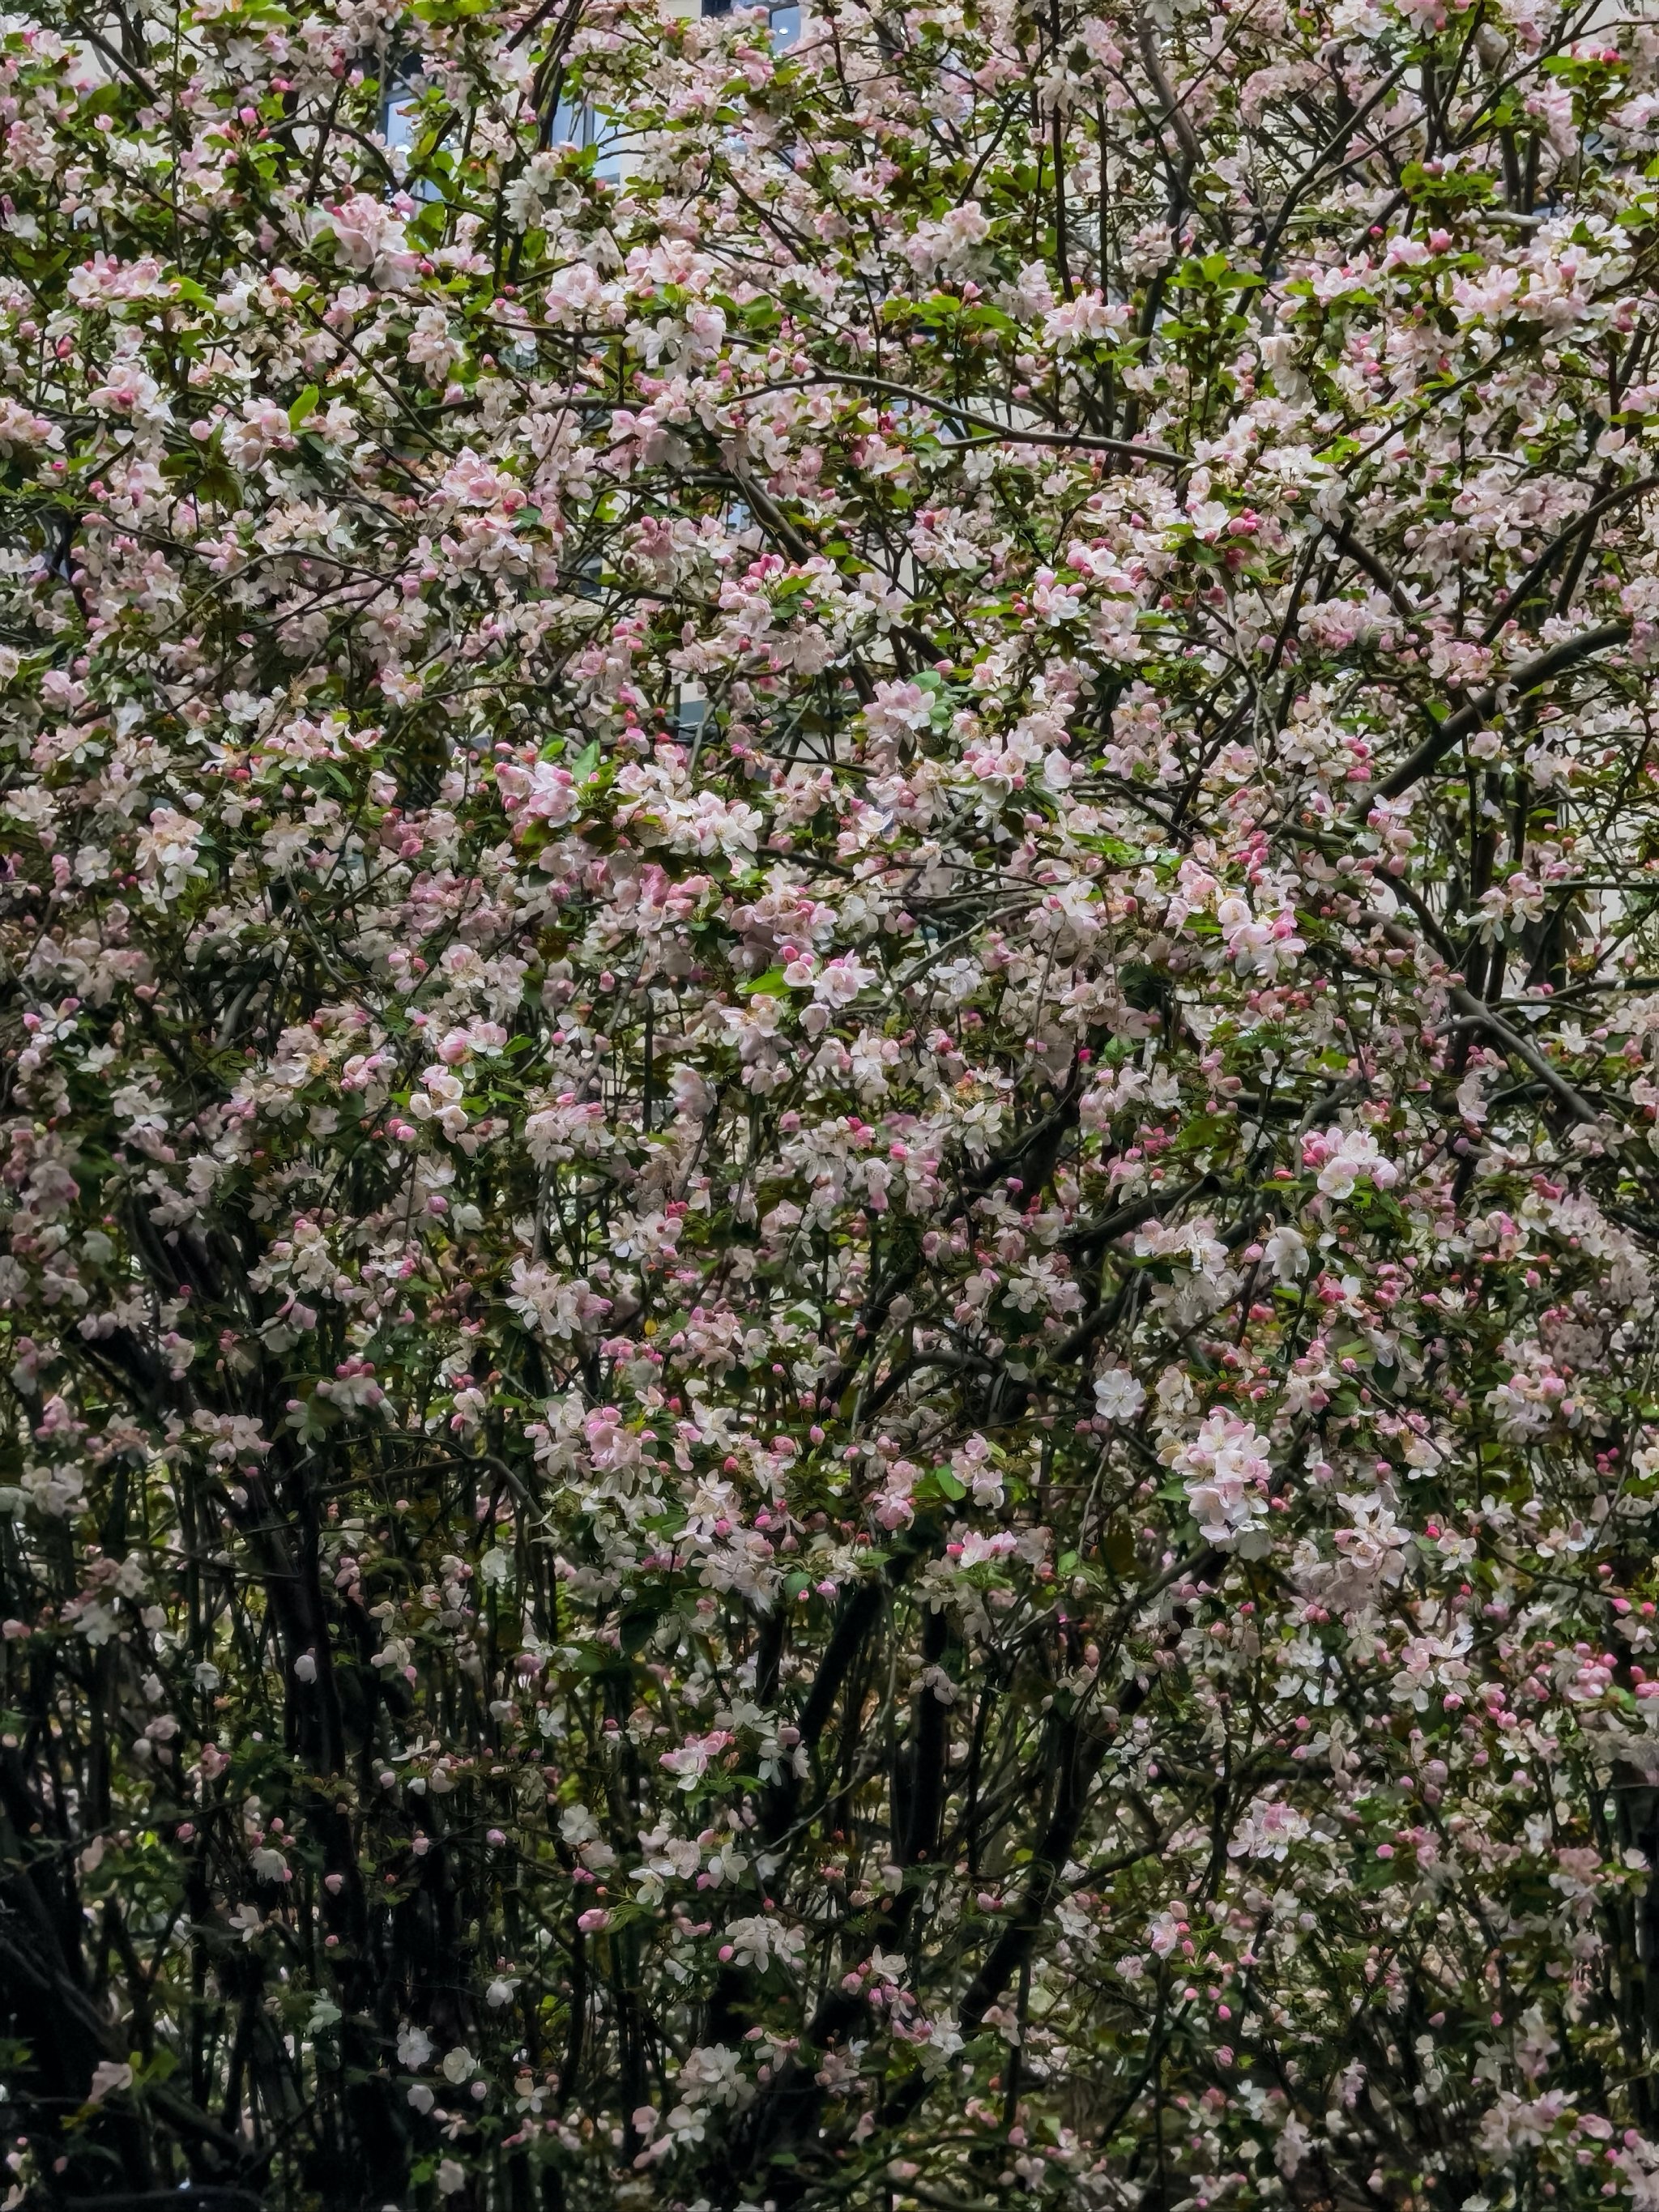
1529 677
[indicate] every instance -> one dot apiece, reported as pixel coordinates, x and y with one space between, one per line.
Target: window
400 125
785 19
691 712
574 124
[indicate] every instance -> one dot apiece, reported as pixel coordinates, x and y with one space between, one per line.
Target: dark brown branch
1529 677
1174 113
1576 529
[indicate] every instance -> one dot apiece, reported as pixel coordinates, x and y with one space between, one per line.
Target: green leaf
638 1625
1118 1547
303 407
771 985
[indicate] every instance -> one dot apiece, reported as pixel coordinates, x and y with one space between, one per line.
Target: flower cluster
827 1182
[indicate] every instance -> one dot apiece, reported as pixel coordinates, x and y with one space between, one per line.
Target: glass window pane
572 124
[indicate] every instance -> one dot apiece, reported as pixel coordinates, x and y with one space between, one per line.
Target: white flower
1118 1396
691 1761
1089 315
755 1942
370 238
1343 1157
711 2075
1227 1473
1286 1253
1267 1830
1374 1549
841 981
108 2075
1164 1933
896 708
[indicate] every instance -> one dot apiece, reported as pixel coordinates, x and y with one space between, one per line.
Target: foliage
829 946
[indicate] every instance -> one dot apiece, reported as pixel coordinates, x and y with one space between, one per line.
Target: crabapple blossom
828 1162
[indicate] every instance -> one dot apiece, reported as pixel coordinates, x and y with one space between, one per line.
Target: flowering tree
829 948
